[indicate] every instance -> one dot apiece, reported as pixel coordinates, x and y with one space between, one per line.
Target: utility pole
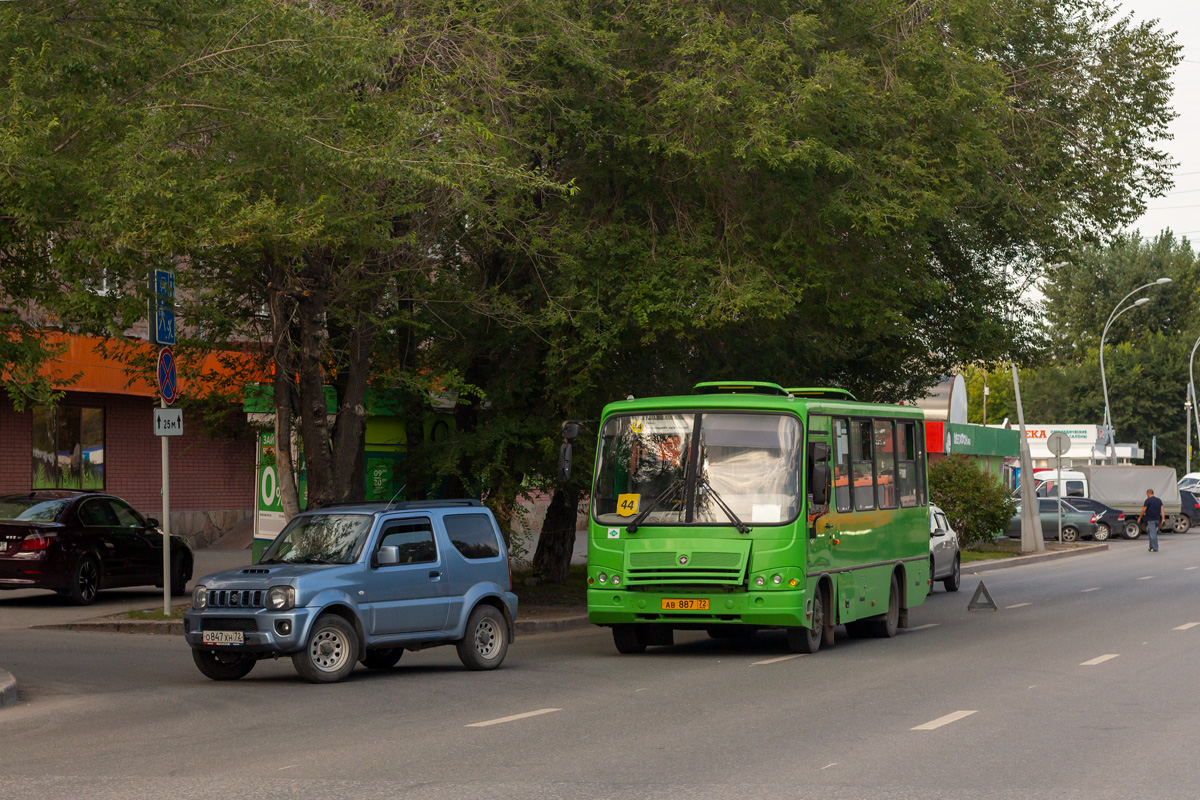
1031 526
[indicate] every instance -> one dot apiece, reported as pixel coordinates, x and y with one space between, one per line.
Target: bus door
820 524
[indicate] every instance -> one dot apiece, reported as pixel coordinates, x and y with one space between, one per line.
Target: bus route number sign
685 604
627 504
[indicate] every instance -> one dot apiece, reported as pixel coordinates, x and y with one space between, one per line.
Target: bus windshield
750 462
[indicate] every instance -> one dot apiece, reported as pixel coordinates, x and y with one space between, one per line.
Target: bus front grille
674 575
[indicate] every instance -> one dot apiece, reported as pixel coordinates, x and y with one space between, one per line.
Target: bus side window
841 465
863 466
921 464
885 464
906 450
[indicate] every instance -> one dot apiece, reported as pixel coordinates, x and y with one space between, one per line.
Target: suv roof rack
403 504
739 387
825 392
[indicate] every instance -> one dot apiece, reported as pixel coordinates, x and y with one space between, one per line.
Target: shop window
68 447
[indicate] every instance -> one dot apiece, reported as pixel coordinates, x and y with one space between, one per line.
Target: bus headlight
778 579
759 581
603 577
616 580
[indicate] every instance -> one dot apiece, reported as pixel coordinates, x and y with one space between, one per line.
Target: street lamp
1116 312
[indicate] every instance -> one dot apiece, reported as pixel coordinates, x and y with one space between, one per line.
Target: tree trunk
350 425
552 560
314 422
416 475
281 362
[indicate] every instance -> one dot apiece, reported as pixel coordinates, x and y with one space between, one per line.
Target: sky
1179 209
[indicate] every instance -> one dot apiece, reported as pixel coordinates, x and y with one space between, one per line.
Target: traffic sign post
1058 443
167 423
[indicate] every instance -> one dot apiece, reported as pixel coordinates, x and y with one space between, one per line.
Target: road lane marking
1019 605
1185 569
1145 577
940 721
827 766
289 766
1187 626
924 627
1093 589
513 718
775 660
1099 660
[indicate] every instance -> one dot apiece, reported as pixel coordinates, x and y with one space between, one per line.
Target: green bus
748 506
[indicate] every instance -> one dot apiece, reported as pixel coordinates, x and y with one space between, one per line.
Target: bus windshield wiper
653 506
737 523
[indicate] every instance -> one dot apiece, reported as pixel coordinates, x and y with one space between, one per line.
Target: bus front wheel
629 639
808 640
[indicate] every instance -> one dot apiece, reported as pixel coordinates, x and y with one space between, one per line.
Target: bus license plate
680 604
223 637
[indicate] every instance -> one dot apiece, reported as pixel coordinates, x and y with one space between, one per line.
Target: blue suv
360 582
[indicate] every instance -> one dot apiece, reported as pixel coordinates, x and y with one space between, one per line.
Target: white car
945 560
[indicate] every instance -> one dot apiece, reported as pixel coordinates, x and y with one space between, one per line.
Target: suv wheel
221 665
1182 523
330 653
485 642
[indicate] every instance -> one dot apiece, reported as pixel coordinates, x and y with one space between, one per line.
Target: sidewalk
976 567
8 689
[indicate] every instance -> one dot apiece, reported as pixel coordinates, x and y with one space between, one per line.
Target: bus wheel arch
825 590
900 575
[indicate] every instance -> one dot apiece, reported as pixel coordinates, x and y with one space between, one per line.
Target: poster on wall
268 506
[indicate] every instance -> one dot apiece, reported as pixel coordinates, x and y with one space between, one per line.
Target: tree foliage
977 505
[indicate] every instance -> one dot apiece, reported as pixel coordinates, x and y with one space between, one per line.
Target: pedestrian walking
1152 513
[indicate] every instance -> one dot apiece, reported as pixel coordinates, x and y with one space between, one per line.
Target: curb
8 689
1018 561
153 627
526 627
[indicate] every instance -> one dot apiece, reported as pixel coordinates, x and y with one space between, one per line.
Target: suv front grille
237 598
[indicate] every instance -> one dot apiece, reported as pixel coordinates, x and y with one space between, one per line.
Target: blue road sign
164 307
168 381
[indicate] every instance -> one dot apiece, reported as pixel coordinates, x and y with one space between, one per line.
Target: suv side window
413 537
473 535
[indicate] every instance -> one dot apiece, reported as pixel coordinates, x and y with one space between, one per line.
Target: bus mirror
564 462
820 452
570 430
820 484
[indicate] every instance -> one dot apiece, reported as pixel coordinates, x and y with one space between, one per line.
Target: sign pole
166 520
1058 460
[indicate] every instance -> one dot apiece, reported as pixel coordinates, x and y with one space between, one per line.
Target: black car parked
77 543
1189 513
1108 519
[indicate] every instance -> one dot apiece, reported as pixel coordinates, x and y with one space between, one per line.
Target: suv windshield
750 461
32 509
319 539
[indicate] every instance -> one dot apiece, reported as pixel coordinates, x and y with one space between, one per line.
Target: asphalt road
1082 685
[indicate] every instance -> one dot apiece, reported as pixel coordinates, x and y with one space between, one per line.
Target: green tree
976 504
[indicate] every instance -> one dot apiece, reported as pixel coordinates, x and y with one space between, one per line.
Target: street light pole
1191 402
1116 312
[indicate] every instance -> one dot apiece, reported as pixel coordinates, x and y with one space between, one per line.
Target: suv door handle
434 575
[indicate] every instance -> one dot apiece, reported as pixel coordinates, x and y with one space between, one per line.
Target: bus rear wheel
808 640
629 639
886 627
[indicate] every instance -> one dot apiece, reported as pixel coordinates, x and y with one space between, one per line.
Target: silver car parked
365 582
945 558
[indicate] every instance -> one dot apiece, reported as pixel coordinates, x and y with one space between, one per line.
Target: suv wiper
653 506
737 523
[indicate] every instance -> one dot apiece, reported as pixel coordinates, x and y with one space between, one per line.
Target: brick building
100 436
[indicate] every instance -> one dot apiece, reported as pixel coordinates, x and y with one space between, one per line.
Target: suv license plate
680 604
222 637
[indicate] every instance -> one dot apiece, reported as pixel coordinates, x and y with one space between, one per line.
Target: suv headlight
200 597
281 598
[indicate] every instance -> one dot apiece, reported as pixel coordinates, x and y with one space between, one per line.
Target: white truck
1123 488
